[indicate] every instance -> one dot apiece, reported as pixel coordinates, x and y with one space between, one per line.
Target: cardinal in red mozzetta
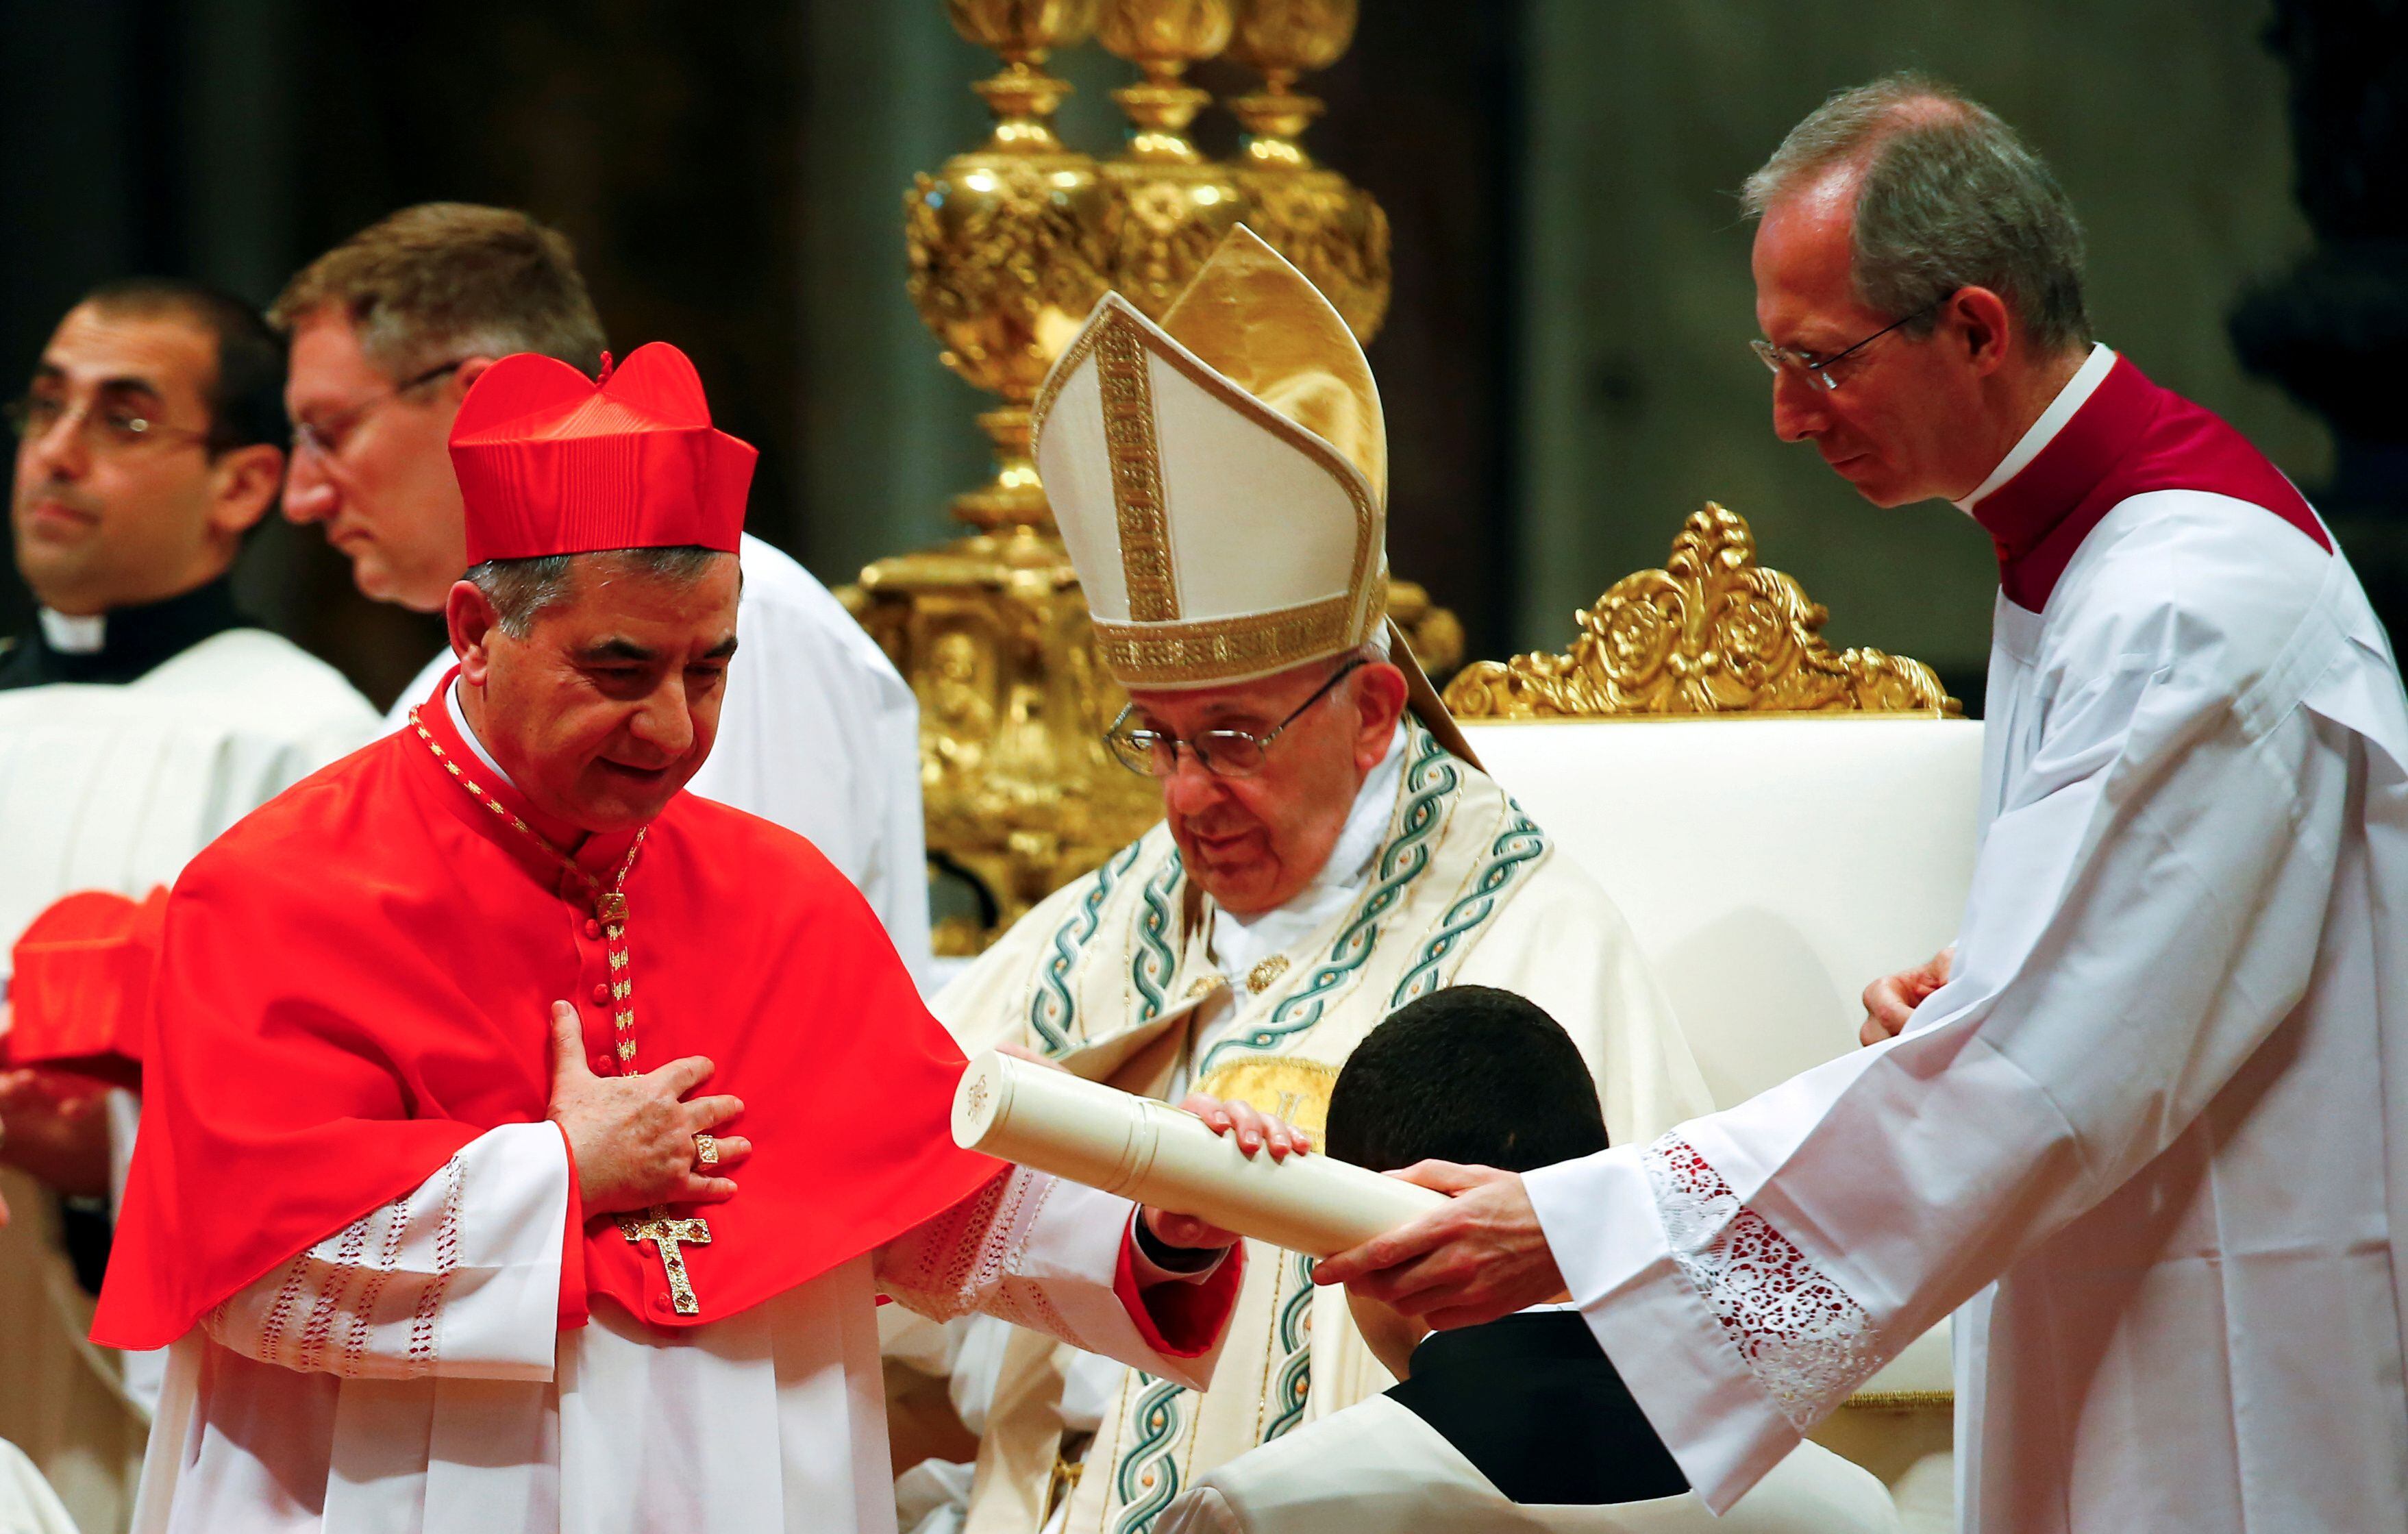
438 1248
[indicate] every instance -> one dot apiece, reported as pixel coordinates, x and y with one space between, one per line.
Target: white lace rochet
1807 1341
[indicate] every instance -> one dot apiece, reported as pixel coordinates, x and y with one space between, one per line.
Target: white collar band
72 636
2075 394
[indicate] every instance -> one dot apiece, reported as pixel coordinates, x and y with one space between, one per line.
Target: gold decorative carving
1333 230
1167 205
1714 632
1020 795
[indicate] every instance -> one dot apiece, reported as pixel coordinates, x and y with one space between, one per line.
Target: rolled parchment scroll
1150 1152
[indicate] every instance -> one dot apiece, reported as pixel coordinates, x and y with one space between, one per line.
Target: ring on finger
706 1153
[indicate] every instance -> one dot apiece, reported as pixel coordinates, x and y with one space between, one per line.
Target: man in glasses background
141 715
1328 851
388 330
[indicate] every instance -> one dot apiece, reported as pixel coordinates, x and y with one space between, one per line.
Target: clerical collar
121 645
460 723
2076 393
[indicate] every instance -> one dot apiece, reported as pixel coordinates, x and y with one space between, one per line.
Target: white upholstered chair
1780 823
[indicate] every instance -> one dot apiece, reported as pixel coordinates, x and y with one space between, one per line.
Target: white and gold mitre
1221 479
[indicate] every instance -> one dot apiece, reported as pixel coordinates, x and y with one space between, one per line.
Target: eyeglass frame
134 432
1113 732
309 439
1780 359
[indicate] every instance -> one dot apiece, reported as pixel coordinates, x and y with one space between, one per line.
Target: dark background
676 145
731 174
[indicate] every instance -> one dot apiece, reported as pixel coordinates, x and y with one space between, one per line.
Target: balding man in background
2147 1122
388 331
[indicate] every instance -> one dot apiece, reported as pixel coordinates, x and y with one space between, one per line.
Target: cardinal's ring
706 1154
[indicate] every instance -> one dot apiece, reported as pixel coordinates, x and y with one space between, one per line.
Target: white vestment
1377 1469
2162 1101
818 732
408 1373
114 786
1133 975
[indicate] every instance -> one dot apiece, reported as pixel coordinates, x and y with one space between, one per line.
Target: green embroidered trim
1296 1340
1052 1011
1521 844
1428 781
1156 1416
1155 965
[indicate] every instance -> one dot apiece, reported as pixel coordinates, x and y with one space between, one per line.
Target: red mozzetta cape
355 982
2131 438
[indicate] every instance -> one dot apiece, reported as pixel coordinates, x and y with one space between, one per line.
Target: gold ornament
1712 633
1020 795
1168 205
1333 230
1004 241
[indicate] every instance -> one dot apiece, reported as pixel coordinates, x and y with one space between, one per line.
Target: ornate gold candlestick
1168 204
1329 227
1005 240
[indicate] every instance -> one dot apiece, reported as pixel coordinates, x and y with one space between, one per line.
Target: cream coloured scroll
1022 1111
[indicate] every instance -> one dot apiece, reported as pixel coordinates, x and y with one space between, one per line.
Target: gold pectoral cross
668 1237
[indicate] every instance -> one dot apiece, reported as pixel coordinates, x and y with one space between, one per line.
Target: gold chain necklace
611 910
610 905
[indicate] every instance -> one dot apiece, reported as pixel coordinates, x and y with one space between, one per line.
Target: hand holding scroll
1478 1256
1255 1131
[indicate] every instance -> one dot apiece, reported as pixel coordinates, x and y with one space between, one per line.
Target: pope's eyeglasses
1224 752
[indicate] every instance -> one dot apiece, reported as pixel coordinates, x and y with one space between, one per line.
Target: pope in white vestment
1222 497
821 734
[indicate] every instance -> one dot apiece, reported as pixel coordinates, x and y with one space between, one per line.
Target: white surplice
114 786
818 732
407 1372
2154 1128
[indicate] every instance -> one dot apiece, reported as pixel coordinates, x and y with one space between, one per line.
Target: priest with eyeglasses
142 711
1329 851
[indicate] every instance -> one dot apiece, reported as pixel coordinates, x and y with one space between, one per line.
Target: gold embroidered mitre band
1220 478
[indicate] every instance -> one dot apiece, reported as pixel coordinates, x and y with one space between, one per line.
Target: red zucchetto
553 463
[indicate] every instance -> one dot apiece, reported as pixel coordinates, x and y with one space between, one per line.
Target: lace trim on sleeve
344 1293
1806 1340
968 1259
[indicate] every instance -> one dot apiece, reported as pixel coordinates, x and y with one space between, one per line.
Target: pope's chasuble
1117 977
349 1216
818 732
2154 1128
128 741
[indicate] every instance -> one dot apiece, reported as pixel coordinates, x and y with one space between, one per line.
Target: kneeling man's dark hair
1470 1075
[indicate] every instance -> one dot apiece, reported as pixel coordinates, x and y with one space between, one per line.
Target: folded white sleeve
458 1278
